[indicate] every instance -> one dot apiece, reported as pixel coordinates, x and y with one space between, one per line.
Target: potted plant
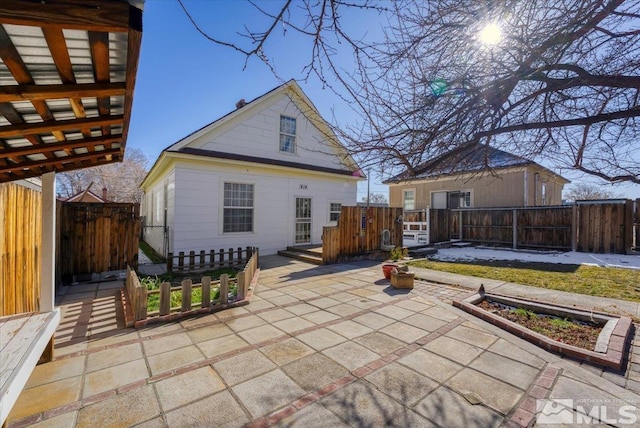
395 254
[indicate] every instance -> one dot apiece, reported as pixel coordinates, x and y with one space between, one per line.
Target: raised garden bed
504 311
152 283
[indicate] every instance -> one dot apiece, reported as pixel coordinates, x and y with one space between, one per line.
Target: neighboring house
460 179
88 196
269 174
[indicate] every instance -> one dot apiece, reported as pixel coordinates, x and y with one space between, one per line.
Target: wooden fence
97 237
586 226
211 259
20 237
604 226
359 231
138 294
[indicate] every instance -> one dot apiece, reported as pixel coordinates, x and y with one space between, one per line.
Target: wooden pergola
67 77
67 74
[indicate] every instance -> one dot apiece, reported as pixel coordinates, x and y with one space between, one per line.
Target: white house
269 174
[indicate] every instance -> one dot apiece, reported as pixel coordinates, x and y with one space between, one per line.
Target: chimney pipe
104 194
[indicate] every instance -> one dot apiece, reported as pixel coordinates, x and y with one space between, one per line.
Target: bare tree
376 198
122 179
560 80
584 191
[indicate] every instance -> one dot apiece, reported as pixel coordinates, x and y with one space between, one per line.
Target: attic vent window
287 134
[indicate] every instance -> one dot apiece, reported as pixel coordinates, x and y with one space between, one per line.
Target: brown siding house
461 179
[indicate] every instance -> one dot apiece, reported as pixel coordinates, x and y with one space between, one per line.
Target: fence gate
604 226
97 237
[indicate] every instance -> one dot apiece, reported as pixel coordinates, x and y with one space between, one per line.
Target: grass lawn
151 253
592 280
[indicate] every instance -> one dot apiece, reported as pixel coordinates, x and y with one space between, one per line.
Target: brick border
524 415
613 358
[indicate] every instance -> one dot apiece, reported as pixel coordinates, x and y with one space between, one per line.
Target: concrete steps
305 255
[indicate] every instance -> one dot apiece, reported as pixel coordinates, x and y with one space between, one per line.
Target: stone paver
401 383
244 366
315 371
351 355
188 387
286 351
321 339
268 392
317 346
121 410
220 410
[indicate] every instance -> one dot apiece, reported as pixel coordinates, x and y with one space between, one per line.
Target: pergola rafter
72 114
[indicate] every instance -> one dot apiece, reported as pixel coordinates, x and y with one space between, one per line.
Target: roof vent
241 103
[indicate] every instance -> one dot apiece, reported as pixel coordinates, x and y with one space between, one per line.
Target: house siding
197 224
257 133
507 189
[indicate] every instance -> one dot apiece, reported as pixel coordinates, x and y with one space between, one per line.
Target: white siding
259 135
154 203
198 206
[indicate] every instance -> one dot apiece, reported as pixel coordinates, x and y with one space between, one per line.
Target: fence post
192 260
206 292
212 258
202 255
460 221
239 261
242 286
170 262
141 300
186 295
574 227
221 258
224 288
515 228
181 261
230 257
165 298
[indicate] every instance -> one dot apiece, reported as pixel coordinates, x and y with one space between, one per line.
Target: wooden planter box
402 279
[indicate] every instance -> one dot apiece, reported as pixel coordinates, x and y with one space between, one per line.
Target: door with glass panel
303 221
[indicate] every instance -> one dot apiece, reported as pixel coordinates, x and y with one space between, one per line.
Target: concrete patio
319 346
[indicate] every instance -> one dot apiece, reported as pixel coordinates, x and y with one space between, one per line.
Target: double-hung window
287 134
334 211
409 199
238 208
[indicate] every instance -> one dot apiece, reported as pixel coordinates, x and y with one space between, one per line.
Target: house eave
235 159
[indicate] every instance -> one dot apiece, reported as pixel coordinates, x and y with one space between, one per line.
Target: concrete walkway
318 346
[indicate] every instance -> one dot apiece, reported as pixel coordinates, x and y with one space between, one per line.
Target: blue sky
185 81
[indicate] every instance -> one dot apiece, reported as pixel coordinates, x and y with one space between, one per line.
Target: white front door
303 221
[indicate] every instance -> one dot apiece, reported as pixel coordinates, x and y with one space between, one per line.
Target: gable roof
468 159
298 97
79 197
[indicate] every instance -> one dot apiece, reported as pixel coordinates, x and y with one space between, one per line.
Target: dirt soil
583 335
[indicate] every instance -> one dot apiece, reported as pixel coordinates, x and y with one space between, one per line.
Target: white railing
415 233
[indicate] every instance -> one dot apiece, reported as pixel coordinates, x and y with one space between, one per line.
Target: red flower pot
387 268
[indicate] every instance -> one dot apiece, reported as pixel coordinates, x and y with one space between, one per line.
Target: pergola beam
14 131
48 92
107 154
94 15
89 143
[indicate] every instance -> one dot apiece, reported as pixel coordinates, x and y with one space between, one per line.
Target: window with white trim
409 199
287 134
237 208
334 211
